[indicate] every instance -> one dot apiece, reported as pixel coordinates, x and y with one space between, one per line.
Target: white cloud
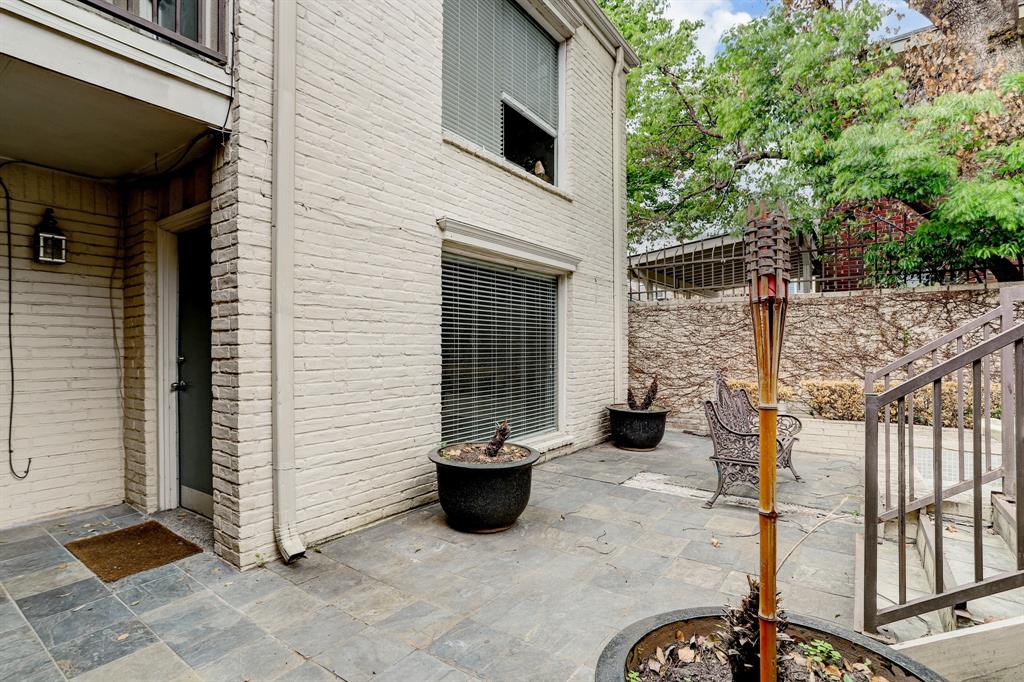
721 15
718 17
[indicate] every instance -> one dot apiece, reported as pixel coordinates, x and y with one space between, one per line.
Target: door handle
179 385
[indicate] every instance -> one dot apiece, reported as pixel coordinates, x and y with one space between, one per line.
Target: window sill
479 152
548 441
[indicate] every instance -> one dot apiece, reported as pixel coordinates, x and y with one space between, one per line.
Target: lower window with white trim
499 350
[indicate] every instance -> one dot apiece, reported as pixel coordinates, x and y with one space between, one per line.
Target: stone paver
411 599
154 662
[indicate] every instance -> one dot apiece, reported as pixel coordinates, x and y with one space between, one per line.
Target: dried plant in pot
484 487
709 644
638 424
716 644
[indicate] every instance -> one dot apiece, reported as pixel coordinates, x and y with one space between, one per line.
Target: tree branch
690 111
749 158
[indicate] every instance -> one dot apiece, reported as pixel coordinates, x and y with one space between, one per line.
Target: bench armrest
789 426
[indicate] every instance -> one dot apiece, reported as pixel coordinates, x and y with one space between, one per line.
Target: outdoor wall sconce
49 245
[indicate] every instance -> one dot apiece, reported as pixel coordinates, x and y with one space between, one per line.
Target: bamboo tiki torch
766 241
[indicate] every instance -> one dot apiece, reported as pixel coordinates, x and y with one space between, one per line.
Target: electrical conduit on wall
289 543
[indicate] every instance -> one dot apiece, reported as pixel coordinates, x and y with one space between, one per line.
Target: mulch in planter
473 453
701 659
131 550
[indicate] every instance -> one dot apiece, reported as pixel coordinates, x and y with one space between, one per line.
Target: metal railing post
976 381
1008 388
869 380
870 586
1017 455
937 482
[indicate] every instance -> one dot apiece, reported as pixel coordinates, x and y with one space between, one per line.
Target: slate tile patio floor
410 600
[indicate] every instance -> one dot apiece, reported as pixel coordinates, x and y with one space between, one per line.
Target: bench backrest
734 408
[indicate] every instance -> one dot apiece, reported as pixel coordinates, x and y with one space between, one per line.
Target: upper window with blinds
500 82
498 350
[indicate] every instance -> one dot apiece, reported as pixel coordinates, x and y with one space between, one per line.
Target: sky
721 15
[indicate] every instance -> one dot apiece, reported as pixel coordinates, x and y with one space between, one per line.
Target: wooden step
986 653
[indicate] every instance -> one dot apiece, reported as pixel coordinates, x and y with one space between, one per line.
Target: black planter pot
637 429
483 498
636 643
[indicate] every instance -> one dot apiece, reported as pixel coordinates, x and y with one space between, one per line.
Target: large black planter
483 498
637 429
636 643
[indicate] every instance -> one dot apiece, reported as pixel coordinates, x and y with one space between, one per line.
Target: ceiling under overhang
58 121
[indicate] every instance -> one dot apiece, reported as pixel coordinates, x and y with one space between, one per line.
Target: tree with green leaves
805 105
951 160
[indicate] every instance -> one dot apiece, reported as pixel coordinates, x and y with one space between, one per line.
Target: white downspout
289 544
619 226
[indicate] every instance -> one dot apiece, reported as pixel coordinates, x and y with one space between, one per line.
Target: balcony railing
194 24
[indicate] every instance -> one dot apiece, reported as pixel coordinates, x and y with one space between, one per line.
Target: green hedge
845 400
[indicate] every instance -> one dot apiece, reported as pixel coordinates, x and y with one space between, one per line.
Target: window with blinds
498 350
499 79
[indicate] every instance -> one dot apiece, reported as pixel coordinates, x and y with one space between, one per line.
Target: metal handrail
879 404
960 361
959 332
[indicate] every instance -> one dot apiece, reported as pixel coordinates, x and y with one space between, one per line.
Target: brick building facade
379 192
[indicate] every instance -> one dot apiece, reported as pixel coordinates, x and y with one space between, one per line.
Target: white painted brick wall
67 409
373 174
140 352
240 224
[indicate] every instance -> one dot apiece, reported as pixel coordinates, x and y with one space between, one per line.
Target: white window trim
537 121
556 18
166 368
561 357
508 248
529 115
561 170
464 239
168 489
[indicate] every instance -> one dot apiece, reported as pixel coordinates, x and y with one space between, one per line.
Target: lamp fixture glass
49 245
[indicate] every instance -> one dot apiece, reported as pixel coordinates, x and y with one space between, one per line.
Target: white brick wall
240 223
67 410
373 174
140 352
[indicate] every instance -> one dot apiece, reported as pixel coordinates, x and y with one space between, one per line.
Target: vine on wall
830 337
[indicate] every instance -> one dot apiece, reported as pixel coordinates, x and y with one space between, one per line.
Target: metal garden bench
734 424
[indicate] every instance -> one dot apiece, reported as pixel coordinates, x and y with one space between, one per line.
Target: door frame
167 229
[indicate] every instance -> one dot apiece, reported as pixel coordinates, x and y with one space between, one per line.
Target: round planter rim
436 458
612 663
622 407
